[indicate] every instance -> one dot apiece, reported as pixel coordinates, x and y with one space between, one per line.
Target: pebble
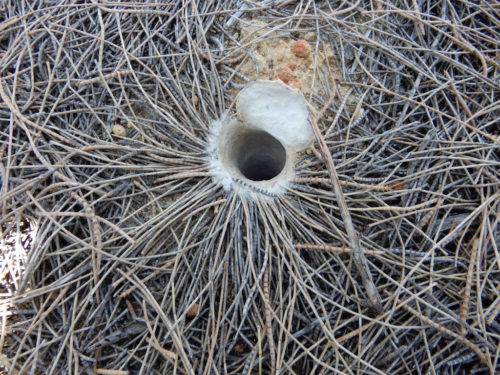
310 36
119 131
301 48
193 310
286 75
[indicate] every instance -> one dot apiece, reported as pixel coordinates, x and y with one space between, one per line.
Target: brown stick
350 184
464 307
494 313
358 256
226 61
104 371
269 326
335 249
102 78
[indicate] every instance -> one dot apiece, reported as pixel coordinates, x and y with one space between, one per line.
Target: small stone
301 48
193 310
286 75
119 131
396 185
239 348
310 36
296 84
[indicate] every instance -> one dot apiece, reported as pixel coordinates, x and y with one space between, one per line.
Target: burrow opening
258 155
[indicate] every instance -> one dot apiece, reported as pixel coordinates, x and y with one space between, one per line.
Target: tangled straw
121 254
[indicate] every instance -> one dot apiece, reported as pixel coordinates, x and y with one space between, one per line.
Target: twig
358 256
268 320
102 78
103 371
464 307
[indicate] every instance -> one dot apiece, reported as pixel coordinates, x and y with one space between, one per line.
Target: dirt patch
303 64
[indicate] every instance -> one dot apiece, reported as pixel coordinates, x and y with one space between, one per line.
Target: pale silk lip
277 109
256 150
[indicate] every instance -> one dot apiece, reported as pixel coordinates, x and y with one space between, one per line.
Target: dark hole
259 156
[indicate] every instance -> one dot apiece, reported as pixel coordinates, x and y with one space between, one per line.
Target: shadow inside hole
258 155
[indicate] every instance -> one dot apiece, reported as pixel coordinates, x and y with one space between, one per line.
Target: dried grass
108 242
